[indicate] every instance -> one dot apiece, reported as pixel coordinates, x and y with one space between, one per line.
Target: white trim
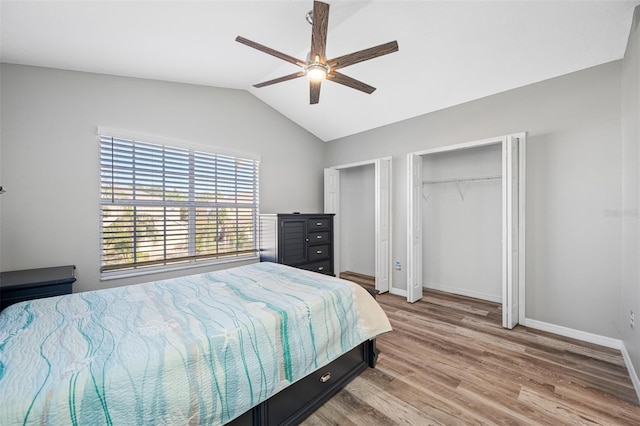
522 223
391 261
398 292
359 163
464 292
331 192
358 271
118 275
465 145
632 371
126 134
575 334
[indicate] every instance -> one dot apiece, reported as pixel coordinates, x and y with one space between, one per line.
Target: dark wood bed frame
296 402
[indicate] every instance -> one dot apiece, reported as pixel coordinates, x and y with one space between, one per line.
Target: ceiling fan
318 68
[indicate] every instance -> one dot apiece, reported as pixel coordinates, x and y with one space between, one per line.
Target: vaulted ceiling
450 51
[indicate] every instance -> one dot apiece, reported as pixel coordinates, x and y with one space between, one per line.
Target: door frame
513 220
383 179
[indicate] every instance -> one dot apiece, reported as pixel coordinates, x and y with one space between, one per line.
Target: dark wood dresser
301 240
18 286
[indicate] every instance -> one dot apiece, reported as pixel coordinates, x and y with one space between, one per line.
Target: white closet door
521 226
510 232
332 205
383 227
414 227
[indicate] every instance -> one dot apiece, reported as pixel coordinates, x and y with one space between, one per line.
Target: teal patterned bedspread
200 349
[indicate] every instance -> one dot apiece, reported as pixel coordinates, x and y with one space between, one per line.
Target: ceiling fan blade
363 55
270 51
319 31
314 92
280 79
350 82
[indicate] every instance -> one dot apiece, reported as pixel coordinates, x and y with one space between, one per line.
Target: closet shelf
461 180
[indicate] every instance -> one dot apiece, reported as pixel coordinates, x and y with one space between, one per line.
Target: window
163 206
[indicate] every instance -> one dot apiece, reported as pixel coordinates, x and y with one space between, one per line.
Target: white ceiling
450 51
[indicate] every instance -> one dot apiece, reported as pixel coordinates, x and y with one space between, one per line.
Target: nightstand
17 286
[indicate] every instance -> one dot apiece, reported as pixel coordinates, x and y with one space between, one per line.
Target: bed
257 344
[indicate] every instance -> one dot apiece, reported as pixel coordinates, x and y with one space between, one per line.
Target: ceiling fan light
316 72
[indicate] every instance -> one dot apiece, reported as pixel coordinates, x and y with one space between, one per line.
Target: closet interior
357 220
462 221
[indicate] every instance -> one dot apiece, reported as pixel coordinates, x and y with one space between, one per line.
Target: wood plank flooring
448 361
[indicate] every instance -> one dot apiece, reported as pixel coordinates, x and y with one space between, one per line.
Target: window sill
116 275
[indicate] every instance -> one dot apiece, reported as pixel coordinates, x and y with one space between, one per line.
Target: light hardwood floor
448 361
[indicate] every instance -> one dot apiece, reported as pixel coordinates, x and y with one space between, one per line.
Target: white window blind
163 205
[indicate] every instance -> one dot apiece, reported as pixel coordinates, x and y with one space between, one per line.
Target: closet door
382 224
414 227
332 205
510 231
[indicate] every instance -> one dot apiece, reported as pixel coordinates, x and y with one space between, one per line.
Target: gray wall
573 181
49 215
629 212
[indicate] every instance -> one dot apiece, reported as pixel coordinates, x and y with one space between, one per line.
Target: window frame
191 259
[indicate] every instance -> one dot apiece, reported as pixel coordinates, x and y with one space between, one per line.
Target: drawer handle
318 251
321 268
325 377
319 237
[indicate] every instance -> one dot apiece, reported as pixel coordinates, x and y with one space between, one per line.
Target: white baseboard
403 293
360 271
465 292
398 292
576 334
632 371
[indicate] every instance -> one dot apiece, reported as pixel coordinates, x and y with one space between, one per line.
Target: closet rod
460 180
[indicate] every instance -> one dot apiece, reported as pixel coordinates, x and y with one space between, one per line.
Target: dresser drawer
319 253
324 381
319 223
322 267
318 237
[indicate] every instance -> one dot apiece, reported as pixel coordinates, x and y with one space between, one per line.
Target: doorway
510 230
368 212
